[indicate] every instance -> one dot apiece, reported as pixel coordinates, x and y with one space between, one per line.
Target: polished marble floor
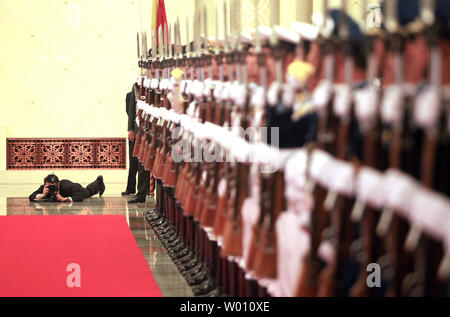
14 201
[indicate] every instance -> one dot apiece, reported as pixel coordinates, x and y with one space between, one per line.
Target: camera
52 191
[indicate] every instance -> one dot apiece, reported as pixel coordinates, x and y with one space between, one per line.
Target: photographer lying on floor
54 190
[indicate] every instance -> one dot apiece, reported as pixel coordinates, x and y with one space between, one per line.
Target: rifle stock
312 264
332 278
223 200
266 259
137 144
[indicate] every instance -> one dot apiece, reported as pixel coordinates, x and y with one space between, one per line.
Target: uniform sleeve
131 111
40 190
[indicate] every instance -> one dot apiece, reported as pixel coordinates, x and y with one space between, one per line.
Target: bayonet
225 27
164 57
217 44
165 44
393 27
175 43
159 56
190 51
258 49
428 16
391 16
205 30
197 34
427 11
257 35
233 41
202 50
145 46
329 54
277 53
345 36
227 44
178 35
138 50
343 25
147 56
218 53
239 44
207 54
324 23
188 44
154 49
169 42
363 25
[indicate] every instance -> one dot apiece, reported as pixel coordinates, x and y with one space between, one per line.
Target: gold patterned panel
248 14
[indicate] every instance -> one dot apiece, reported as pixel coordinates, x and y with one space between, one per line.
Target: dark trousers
134 165
143 185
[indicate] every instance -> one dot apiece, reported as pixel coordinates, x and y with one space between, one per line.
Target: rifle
140 117
232 234
204 167
264 206
208 213
209 113
423 280
366 215
333 280
366 212
223 197
343 116
144 138
312 264
149 153
266 259
326 137
160 130
181 187
400 262
222 115
171 176
194 180
141 96
233 224
229 53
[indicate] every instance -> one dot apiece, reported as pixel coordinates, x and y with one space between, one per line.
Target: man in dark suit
135 165
54 190
130 108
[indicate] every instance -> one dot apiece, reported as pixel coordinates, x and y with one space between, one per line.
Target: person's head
51 179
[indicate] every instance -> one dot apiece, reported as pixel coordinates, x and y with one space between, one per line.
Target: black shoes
127 193
137 201
102 185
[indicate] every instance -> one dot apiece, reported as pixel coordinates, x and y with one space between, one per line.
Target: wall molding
65 153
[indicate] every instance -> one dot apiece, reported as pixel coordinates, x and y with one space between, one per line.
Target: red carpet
36 250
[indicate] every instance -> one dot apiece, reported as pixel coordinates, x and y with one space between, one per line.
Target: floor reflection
170 281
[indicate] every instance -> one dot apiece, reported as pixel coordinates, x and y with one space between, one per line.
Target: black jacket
131 110
66 189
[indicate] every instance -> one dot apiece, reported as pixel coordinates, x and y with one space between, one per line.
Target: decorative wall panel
248 14
105 153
